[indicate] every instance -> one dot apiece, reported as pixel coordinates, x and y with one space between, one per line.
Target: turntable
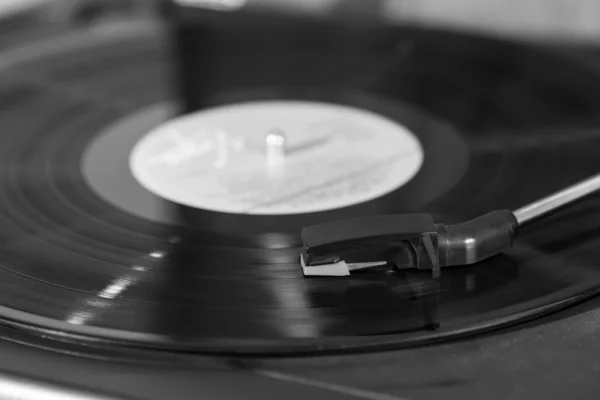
157 170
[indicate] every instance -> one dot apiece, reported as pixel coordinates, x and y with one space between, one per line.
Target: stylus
414 241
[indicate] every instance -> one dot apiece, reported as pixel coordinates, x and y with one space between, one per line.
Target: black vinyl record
89 255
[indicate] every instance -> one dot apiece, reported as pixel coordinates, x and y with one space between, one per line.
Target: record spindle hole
275 141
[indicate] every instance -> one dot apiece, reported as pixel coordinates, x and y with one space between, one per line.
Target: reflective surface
202 280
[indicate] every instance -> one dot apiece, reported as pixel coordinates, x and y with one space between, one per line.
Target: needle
361 241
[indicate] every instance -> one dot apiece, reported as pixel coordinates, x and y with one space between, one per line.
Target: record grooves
79 267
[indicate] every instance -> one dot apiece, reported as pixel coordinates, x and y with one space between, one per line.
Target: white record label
276 157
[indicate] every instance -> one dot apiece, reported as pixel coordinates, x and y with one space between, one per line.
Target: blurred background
565 20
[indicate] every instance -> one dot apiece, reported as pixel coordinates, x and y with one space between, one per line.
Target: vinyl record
89 254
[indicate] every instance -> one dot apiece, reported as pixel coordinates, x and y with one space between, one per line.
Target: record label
276 157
